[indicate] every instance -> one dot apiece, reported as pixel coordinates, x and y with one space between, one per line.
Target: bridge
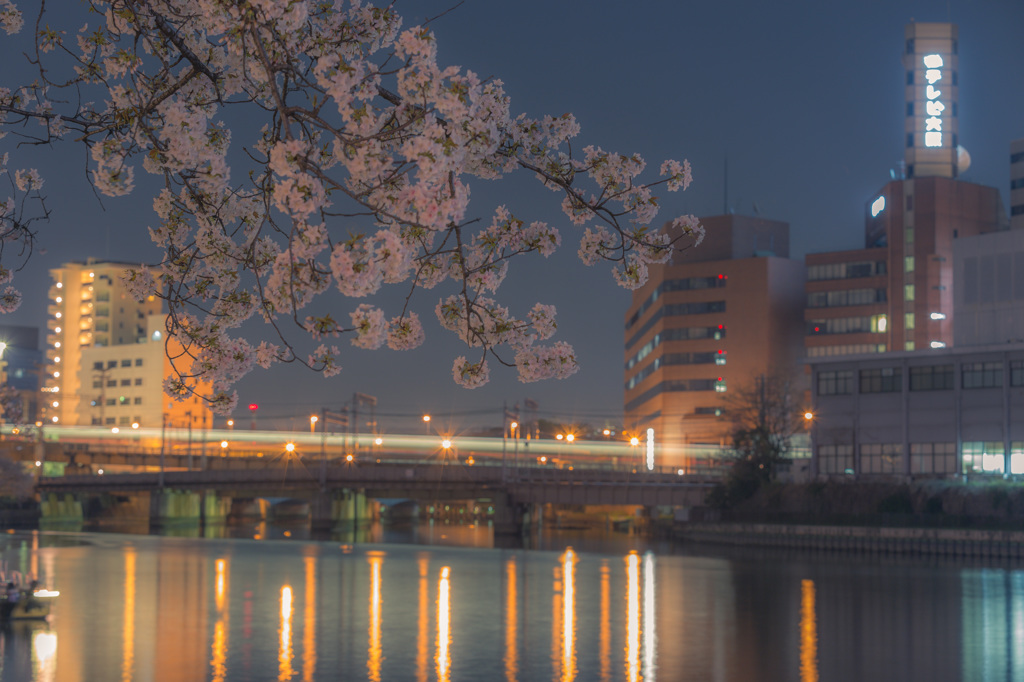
340 475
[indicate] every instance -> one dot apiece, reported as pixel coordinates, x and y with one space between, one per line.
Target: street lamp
426 424
312 423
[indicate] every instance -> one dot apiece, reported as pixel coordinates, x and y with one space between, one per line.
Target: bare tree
765 417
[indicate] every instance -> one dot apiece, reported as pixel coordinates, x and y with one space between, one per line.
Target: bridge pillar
173 507
60 509
510 518
344 508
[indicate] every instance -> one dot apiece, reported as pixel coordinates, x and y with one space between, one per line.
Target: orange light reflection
374 653
808 634
128 661
219 648
568 615
633 617
424 621
511 623
443 624
285 671
309 623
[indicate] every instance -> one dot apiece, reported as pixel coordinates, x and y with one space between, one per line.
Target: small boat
36 607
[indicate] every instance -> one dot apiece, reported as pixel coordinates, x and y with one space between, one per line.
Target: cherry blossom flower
352 173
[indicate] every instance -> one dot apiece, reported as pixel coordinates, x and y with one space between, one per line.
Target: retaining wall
926 541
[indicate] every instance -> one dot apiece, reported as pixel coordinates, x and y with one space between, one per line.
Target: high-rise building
105 353
897 293
1017 184
712 319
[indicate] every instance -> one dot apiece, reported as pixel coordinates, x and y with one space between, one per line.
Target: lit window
933 139
877 206
938 316
933 61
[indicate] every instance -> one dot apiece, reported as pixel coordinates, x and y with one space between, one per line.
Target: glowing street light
634 441
570 438
312 423
808 415
290 447
559 437
446 444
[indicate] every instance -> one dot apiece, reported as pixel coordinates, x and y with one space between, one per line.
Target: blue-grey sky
804 98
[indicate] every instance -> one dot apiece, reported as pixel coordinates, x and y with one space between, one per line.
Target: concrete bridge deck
540 485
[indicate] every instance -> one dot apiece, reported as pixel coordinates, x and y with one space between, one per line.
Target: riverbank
973 518
995 544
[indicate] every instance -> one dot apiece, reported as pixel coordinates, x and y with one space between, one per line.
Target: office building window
881 380
126 382
138 362
111 382
908 321
931 378
881 458
839 382
137 401
933 458
126 363
908 292
1017 372
981 375
835 459
908 264
982 457
138 382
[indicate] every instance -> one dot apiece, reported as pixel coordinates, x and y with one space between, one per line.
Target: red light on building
253 407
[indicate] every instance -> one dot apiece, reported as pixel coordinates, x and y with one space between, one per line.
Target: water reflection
423 621
650 639
511 623
219 647
216 610
128 662
569 616
633 617
284 655
808 633
443 623
309 622
374 652
44 656
605 636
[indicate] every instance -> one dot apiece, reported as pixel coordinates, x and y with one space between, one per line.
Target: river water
441 603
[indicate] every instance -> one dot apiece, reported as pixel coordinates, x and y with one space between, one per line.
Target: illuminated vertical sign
932 92
934 106
650 449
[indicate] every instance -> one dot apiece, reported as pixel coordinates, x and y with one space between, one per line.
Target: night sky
804 99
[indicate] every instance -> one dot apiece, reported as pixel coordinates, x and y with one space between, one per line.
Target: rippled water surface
162 608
